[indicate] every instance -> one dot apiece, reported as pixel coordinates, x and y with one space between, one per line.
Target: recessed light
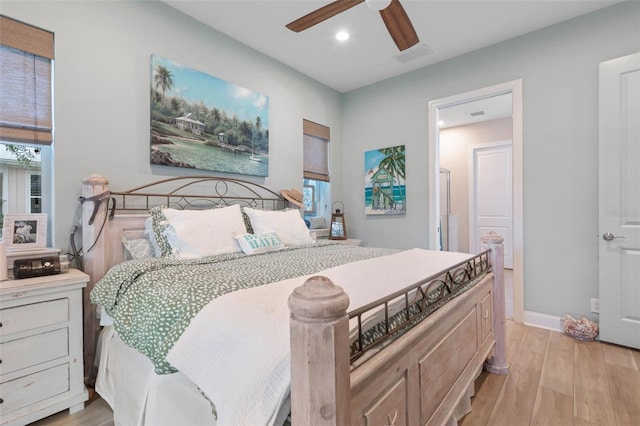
342 36
440 123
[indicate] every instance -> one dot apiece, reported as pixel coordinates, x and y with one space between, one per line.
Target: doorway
436 107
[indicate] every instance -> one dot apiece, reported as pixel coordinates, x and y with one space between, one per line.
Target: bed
275 329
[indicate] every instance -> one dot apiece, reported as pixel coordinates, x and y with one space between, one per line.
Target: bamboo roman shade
316 151
26 55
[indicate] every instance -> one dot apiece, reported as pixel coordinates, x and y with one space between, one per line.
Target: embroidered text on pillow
259 243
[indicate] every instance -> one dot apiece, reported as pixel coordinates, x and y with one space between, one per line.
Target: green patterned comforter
152 301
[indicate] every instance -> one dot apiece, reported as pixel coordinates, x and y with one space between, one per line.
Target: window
26 118
316 151
22 174
26 55
317 188
35 193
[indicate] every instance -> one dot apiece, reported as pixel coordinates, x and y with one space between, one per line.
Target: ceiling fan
394 16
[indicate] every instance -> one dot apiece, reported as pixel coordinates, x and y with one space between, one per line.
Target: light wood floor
96 413
553 380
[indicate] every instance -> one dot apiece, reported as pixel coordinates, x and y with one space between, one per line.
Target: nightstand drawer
33 350
35 387
34 315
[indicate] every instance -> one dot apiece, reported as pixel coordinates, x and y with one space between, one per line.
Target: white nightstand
41 368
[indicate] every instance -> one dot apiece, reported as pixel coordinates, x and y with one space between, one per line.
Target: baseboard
549 322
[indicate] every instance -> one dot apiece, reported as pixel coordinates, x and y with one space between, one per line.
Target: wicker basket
580 327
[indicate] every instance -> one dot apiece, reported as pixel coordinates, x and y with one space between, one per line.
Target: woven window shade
26 55
316 151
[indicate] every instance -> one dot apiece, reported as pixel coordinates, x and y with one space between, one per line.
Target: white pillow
200 233
259 243
288 224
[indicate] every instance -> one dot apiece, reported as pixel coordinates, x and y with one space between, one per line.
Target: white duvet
236 349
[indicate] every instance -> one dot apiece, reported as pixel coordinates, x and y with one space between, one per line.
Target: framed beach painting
202 122
384 181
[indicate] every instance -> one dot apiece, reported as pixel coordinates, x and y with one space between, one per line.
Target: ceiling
485 109
446 28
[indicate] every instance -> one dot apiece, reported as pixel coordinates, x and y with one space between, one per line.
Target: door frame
515 88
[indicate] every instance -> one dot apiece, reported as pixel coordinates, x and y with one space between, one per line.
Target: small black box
36 267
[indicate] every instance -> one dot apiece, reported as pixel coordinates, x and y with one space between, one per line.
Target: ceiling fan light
378 4
342 36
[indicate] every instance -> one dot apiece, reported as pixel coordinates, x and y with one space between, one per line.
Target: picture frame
309 198
25 231
385 191
200 121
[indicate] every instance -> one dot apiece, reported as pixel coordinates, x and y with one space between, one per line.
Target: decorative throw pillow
137 248
161 229
247 222
200 233
151 237
259 243
288 224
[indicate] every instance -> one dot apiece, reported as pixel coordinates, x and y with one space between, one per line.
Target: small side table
42 370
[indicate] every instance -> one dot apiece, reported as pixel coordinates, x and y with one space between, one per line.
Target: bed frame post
93 262
320 382
497 364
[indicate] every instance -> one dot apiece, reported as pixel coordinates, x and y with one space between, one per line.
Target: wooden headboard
108 216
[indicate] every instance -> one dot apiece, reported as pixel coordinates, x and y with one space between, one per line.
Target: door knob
608 236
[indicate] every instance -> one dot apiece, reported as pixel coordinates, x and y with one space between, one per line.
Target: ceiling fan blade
322 14
399 25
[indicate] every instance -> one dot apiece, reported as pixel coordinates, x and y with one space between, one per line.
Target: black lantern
338 230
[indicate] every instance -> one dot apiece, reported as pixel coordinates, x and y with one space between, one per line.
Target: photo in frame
385 191
25 231
199 121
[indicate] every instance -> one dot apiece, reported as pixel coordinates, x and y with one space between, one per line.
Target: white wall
559 70
102 82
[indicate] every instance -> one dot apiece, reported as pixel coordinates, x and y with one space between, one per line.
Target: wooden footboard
421 377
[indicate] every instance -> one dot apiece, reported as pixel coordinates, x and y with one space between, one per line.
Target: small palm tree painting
384 181
202 122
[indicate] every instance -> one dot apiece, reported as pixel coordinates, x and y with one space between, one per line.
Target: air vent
476 113
417 51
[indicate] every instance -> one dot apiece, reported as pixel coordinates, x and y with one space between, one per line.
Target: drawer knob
1 400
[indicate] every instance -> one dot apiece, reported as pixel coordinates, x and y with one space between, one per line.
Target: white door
619 236
490 196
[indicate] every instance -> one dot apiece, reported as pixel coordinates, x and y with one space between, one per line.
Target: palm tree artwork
385 189
163 81
202 122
